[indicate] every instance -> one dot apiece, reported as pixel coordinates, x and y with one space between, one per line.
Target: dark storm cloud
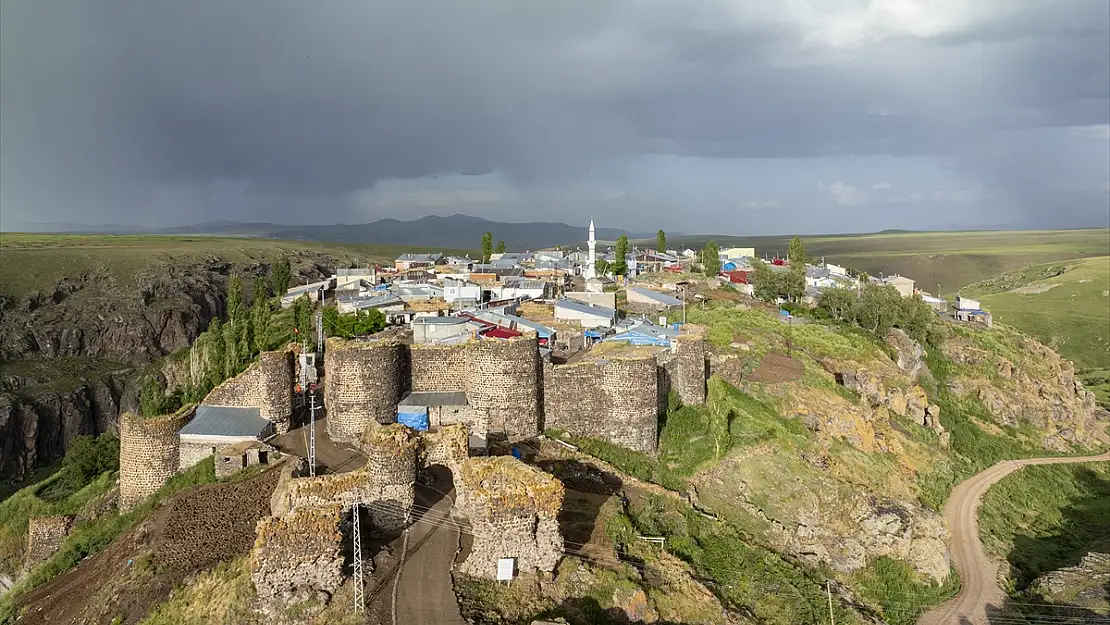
278 105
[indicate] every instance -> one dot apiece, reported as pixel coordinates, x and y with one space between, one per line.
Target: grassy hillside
949 259
31 262
1065 305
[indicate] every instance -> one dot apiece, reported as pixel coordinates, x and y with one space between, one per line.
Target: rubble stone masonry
149 454
299 556
688 371
45 535
501 378
364 382
615 400
267 384
513 511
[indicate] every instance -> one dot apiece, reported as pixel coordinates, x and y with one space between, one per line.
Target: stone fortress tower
364 383
149 454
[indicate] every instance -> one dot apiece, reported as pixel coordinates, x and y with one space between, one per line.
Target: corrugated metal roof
226 421
439 320
662 298
435 398
590 309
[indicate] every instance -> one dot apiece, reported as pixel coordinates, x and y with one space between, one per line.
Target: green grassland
948 259
1047 517
1065 305
31 262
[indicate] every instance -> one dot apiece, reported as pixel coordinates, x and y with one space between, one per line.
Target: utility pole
312 435
319 332
360 598
828 587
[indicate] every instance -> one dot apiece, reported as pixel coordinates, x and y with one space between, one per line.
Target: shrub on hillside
88 457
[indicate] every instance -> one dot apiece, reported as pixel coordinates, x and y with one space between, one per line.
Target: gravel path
978 573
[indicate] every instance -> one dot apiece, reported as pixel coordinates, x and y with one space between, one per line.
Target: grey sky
710 116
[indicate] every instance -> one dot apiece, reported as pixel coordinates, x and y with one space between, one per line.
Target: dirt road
425 594
978 573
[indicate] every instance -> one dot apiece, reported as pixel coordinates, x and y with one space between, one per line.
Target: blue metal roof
226 421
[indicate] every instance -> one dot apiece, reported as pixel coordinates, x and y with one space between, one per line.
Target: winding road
978 573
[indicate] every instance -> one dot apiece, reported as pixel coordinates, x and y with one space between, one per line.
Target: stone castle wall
267 384
149 454
616 400
505 382
45 535
447 446
363 384
501 378
513 511
688 369
441 367
299 556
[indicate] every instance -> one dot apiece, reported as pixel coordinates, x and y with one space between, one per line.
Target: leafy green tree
217 357
231 350
362 323
281 275
619 266
88 457
601 267
258 291
765 283
711 259
797 252
487 246
154 401
302 314
500 249
661 241
236 309
795 280
260 324
839 303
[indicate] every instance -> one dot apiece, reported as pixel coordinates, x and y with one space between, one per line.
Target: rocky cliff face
1023 382
37 426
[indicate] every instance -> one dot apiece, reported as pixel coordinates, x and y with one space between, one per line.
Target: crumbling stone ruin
615 400
234 458
686 368
446 446
365 381
298 556
267 384
149 454
45 535
513 510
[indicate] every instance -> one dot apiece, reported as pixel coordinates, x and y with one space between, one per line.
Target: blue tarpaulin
594 334
415 419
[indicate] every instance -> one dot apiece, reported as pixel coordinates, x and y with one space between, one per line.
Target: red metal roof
498 332
738 276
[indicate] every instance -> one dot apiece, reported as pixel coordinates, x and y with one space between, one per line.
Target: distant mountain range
455 231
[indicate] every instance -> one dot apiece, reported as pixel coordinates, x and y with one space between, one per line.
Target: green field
949 259
1065 304
30 262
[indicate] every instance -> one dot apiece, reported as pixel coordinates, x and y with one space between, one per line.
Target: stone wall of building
616 400
441 367
513 512
501 378
688 369
45 535
192 453
364 382
149 454
267 384
298 556
506 381
447 446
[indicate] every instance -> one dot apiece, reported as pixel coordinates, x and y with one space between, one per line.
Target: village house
443 330
345 276
587 315
521 288
737 252
654 300
385 302
418 292
902 284
239 456
404 262
316 292
216 427
643 332
545 334
461 292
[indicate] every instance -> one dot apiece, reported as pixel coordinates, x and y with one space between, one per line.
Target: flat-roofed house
442 330
647 298
587 315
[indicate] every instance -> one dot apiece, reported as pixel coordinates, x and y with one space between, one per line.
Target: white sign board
505 568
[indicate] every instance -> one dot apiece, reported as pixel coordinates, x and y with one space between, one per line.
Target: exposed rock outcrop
1035 387
910 355
1085 585
37 424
